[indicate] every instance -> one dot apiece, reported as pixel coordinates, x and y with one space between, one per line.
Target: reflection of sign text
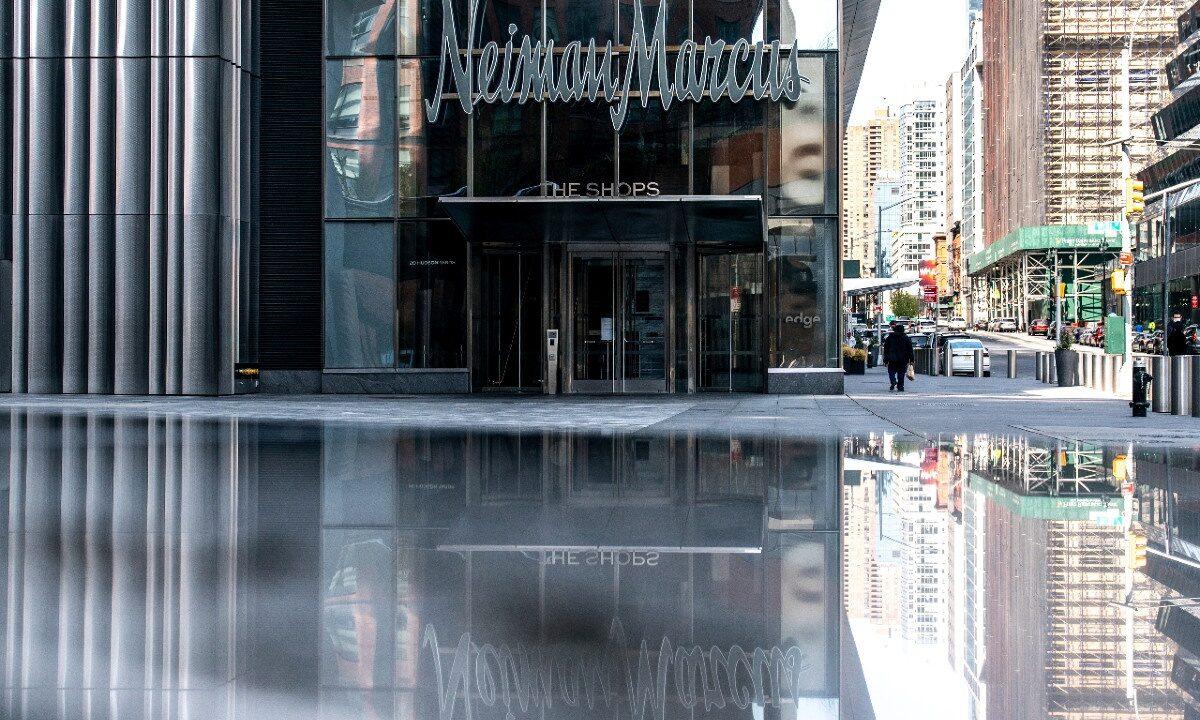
526 69
634 558
524 679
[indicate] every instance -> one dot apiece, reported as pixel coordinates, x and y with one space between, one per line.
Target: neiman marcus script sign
526 69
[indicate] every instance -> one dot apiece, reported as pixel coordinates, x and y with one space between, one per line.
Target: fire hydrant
1141 380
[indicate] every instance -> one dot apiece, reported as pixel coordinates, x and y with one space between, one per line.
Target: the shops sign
525 69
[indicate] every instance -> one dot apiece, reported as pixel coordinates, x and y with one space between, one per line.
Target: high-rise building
889 193
1053 90
871 151
288 196
952 269
971 165
923 174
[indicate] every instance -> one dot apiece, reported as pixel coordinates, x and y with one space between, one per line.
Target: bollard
1195 385
1082 370
1161 387
1037 365
1105 374
1096 372
1051 370
1045 367
978 357
1114 373
1181 385
1012 364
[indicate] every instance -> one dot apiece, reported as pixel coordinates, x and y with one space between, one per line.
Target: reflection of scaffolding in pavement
1022 286
1071 469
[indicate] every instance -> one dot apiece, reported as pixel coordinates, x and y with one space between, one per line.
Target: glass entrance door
619 303
508 335
730 310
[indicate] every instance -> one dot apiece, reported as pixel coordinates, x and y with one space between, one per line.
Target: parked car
1006 325
961 356
957 323
1040 326
927 326
920 340
941 339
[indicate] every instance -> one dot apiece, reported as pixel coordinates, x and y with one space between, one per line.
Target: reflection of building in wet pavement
1168 506
133 545
162 567
1054 564
923 580
573 557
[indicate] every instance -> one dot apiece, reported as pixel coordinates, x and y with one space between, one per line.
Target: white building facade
923 174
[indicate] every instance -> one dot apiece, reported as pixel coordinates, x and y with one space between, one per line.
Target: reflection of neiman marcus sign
528 69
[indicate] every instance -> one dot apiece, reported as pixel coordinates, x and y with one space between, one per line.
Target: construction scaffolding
1083 91
1054 90
1018 276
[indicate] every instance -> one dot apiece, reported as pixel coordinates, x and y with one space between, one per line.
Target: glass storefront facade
409 290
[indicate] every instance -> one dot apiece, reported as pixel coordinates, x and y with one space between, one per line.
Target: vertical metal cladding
76 169
125 257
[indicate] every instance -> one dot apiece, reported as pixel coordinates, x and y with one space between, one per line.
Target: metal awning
721 528
724 220
866 286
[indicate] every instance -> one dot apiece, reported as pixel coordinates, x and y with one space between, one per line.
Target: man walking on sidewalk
897 353
1177 343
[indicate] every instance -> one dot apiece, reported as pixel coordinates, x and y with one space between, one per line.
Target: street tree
904 304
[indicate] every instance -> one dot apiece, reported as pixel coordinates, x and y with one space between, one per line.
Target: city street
934 405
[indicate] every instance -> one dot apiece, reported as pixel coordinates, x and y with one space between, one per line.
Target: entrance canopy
720 220
734 528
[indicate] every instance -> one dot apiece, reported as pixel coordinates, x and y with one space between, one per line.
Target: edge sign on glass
528 69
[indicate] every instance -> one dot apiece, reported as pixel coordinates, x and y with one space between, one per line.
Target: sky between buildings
917 44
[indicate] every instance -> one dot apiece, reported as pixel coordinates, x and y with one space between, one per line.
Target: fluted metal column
102 103
75 197
20 195
130 119
131 363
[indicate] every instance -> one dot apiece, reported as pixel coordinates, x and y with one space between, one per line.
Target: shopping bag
912 372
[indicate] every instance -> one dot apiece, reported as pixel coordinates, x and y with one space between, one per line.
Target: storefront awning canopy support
711 220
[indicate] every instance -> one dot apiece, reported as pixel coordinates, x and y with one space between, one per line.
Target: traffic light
1118 282
1135 548
1135 197
1120 468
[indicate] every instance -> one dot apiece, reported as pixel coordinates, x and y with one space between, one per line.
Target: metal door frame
701 277
523 255
617 253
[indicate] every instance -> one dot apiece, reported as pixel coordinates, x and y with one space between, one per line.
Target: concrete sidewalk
936 405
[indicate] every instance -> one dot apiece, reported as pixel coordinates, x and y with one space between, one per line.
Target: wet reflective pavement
167 566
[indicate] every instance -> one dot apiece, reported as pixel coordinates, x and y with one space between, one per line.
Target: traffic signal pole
1125 381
